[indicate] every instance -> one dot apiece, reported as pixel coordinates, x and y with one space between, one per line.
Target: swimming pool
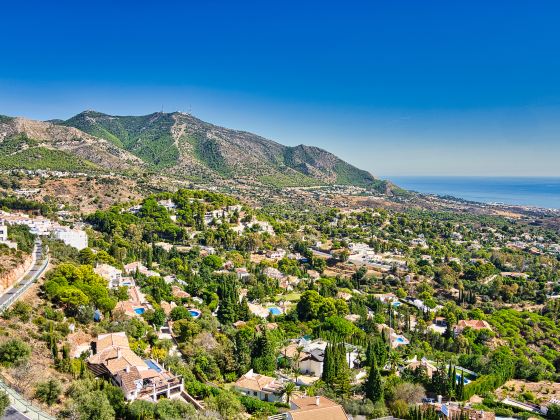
152 365
139 311
396 303
275 311
465 380
195 313
400 340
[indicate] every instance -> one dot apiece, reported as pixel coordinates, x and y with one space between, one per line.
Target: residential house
112 274
273 273
139 379
265 388
242 273
314 408
475 324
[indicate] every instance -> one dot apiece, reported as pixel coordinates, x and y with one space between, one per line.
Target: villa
136 305
138 266
139 379
265 388
309 408
112 274
424 363
475 324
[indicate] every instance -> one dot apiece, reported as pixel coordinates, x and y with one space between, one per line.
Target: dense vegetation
208 254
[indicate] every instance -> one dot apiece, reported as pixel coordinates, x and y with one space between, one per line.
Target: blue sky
394 87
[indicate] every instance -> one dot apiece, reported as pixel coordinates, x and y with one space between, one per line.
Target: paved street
27 279
12 414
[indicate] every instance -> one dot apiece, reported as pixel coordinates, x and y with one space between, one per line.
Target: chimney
127 369
118 352
317 400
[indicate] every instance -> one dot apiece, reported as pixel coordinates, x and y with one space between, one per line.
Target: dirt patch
543 391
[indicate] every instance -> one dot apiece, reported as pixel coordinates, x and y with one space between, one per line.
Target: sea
526 191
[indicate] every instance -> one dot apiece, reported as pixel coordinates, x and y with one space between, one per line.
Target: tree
141 410
263 355
395 359
14 352
180 312
373 385
336 372
309 305
173 409
185 329
227 404
553 412
94 405
48 391
297 356
4 402
289 390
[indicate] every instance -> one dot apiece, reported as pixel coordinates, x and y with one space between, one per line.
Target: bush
14 352
49 391
4 402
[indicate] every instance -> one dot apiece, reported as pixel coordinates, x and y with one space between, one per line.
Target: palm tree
395 359
288 390
299 350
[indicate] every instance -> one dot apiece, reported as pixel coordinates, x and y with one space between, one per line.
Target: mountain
180 145
29 144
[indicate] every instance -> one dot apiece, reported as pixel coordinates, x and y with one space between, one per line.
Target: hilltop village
194 304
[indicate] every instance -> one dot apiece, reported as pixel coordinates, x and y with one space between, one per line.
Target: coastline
525 192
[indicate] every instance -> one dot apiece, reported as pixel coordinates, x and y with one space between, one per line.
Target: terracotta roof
113 351
104 341
179 293
308 409
128 379
475 324
257 382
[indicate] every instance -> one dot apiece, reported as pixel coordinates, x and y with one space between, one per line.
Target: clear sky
394 87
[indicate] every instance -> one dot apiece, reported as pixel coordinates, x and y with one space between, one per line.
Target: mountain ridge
179 144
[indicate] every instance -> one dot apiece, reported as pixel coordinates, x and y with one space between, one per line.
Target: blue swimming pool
152 365
194 313
400 340
465 380
396 304
139 311
275 311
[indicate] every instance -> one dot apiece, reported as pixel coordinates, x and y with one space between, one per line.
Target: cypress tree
373 386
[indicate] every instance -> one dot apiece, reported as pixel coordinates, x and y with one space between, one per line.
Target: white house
265 388
3 232
72 237
311 363
112 274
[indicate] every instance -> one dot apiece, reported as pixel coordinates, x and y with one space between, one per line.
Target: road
12 414
11 295
19 404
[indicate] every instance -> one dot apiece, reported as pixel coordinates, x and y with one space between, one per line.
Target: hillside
180 144
29 144
176 145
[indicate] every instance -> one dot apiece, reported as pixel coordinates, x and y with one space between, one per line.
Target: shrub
49 391
14 352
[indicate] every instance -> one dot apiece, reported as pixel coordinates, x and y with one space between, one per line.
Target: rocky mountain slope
178 144
29 144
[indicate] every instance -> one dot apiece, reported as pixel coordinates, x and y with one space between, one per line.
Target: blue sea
537 192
